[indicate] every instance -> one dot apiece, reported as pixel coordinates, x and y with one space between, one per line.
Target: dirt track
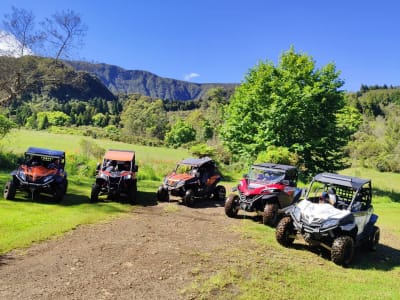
152 253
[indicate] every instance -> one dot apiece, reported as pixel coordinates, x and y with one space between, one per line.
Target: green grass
270 271
156 161
24 221
264 271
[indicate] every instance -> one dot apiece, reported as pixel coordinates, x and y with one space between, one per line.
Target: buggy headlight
127 177
47 179
103 176
21 175
329 223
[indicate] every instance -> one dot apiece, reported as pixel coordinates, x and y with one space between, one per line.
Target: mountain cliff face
119 80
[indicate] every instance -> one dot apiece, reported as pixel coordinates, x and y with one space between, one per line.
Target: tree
64 31
144 118
21 24
291 105
180 133
5 126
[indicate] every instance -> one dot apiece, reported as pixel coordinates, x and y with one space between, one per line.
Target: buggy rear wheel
373 239
162 194
232 205
59 193
9 190
188 198
219 193
270 214
132 193
65 186
94 195
342 250
285 231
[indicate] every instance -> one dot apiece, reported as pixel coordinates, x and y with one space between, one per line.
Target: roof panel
123 155
349 181
195 161
43 151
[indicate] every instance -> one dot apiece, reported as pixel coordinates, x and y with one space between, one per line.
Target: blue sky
220 40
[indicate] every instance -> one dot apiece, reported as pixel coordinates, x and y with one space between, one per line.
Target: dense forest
289 113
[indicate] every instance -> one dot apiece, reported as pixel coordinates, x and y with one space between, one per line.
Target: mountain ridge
121 81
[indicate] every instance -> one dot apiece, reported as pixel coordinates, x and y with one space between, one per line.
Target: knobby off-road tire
373 240
10 190
94 195
133 193
232 205
162 194
219 193
65 186
270 214
59 192
285 231
188 199
342 250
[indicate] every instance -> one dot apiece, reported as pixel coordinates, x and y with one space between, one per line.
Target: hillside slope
31 75
119 80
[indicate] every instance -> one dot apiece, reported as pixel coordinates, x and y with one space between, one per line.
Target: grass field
268 269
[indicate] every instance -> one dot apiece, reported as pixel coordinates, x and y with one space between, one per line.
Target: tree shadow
393 196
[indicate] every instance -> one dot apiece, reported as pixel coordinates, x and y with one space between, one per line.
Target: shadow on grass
393 196
71 199
385 258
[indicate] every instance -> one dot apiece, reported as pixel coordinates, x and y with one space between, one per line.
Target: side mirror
285 182
135 168
245 176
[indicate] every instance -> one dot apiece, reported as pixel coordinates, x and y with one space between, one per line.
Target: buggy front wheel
162 194
342 250
285 232
232 205
270 214
188 198
219 193
10 190
94 195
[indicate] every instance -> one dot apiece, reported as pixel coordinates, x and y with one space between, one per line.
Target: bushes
8 160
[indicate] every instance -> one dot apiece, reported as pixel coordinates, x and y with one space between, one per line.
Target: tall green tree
144 118
5 126
293 105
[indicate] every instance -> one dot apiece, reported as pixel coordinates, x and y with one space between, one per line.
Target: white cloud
10 46
190 76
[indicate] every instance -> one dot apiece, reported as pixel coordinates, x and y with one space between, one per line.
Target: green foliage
290 105
278 155
180 133
91 150
5 125
202 150
377 143
99 120
52 118
143 117
8 160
